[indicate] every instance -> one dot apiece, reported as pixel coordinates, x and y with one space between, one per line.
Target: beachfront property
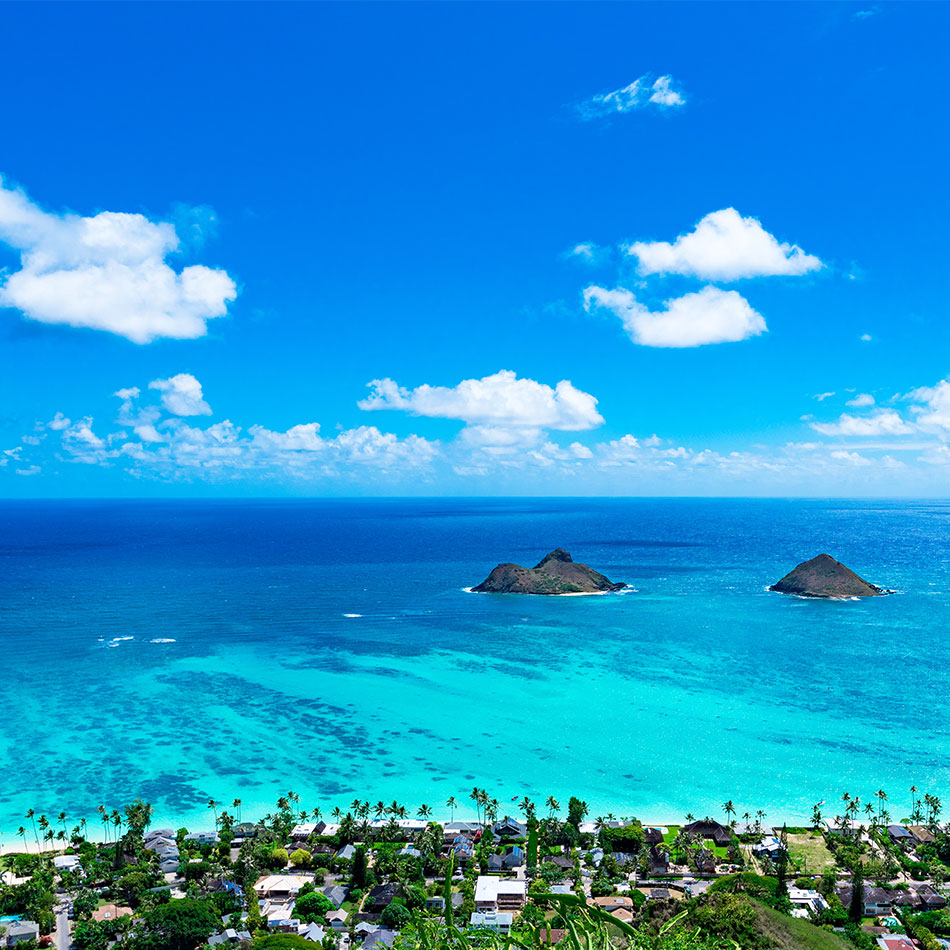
359 883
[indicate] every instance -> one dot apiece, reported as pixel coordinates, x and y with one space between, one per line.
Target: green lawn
811 850
671 832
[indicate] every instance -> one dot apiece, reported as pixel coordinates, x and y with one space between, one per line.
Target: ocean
186 650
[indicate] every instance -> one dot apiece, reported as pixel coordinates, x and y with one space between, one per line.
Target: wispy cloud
642 93
106 272
882 422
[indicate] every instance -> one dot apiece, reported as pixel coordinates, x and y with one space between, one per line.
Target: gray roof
335 893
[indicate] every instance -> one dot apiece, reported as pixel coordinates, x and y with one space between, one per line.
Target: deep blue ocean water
330 647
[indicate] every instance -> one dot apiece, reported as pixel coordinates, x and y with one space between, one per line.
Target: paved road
61 934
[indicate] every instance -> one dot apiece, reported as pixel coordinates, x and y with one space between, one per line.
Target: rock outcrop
823 576
555 574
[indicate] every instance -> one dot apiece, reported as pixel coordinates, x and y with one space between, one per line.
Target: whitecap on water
162 640
352 615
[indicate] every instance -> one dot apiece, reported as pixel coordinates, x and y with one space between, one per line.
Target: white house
499 922
493 893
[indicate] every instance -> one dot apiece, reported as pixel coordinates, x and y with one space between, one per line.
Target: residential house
513 857
659 861
66 862
110 912
158 833
929 898
901 835
806 902
300 834
280 922
347 852
493 893
381 896
509 828
463 849
203 837
498 922
161 843
379 939
769 847
709 830
847 827
280 887
13 932
895 942
921 833
619 906
454 828
337 918
336 894
652 836
312 932
229 936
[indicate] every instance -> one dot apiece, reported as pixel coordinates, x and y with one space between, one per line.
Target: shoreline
30 847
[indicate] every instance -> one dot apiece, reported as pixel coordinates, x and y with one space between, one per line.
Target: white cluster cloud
707 316
106 272
181 395
501 399
934 414
724 246
861 401
163 444
639 94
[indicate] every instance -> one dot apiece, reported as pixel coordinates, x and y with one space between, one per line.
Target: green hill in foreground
789 933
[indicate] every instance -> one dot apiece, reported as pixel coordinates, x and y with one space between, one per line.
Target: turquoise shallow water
697 686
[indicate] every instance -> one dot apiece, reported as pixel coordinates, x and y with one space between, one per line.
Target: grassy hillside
787 933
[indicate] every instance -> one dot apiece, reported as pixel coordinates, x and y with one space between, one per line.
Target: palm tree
213 805
30 815
881 798
336 814
236 805
62 819
730 810
690 818
379 809
21 831
424 811
476 796
82 827
452 804
553 805
913 797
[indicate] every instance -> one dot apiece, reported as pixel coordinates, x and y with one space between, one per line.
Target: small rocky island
823 576
555 574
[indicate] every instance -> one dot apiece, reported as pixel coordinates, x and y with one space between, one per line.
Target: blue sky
605 249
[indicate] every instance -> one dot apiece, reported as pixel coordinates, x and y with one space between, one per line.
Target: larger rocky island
823 576
557 573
